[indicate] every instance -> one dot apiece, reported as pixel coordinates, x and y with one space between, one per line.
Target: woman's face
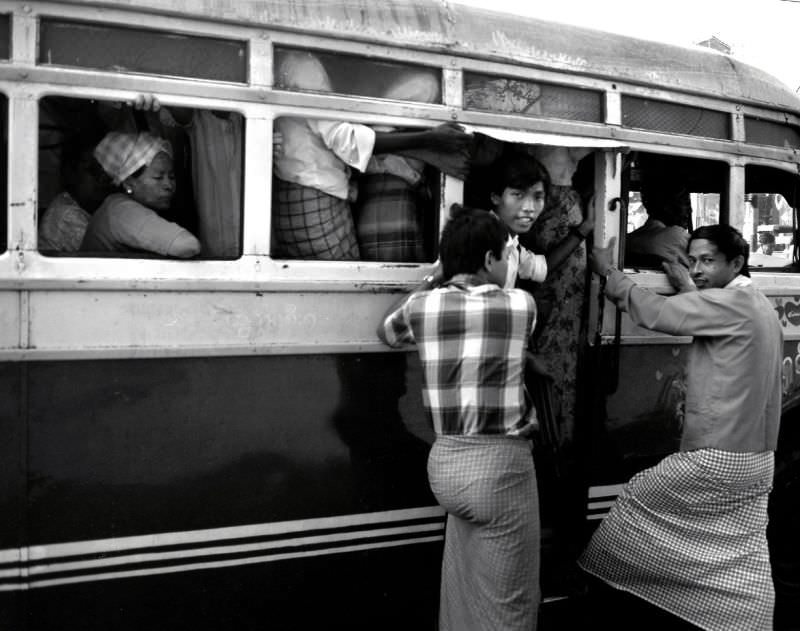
155 187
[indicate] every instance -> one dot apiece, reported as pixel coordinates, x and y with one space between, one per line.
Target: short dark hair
728 240
466 238
517 170
668 202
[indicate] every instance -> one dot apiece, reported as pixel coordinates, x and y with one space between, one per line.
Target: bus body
222 442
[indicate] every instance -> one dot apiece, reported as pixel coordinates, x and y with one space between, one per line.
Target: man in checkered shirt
688 536
472 337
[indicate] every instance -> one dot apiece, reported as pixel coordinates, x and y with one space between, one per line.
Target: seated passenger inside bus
131 220
84 187
313 185
668 196
664 235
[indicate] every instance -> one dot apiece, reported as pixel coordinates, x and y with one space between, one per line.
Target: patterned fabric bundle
122 154
387 219
689 536
313 225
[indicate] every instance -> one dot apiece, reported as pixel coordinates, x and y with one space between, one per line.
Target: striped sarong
689 536
310 224
387 219
490 570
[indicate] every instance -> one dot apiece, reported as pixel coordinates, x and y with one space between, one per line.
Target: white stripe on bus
603 504
120 544
608 490
596 517
294 542
210 565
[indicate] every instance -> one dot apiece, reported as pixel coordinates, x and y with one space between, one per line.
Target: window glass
319 71
489 93
123 183
668 196
674 118
769 216
768 132
120 49
335 200
5 37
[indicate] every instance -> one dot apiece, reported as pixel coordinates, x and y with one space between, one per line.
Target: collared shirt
472 340
63 225
318 153
653 242
733 393
528 264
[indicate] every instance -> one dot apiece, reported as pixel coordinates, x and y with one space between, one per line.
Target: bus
221 441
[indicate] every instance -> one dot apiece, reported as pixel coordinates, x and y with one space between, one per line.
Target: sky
763 33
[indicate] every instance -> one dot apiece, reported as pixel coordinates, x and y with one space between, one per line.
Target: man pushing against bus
689 534
472 337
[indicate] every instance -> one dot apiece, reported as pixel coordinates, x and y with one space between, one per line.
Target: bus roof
461 30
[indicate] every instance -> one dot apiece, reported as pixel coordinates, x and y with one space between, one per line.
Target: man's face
709 267
518 208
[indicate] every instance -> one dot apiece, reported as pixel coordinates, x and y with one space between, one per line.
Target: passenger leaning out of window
313 191
131 220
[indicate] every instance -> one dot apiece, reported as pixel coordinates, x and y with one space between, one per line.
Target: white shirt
317 153
525 263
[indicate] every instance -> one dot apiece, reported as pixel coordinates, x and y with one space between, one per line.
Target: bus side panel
12 494
643 413
124 447
225 488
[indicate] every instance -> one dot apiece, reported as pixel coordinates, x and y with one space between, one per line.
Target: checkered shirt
471 340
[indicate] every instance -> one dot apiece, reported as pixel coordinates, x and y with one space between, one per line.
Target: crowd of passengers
341 191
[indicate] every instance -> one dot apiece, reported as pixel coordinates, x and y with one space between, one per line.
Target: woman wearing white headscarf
129 221
312 172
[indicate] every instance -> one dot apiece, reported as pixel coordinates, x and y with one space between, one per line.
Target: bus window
674 118
349 74
114 49
769 217
324 210
506 95
668 196
114 182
